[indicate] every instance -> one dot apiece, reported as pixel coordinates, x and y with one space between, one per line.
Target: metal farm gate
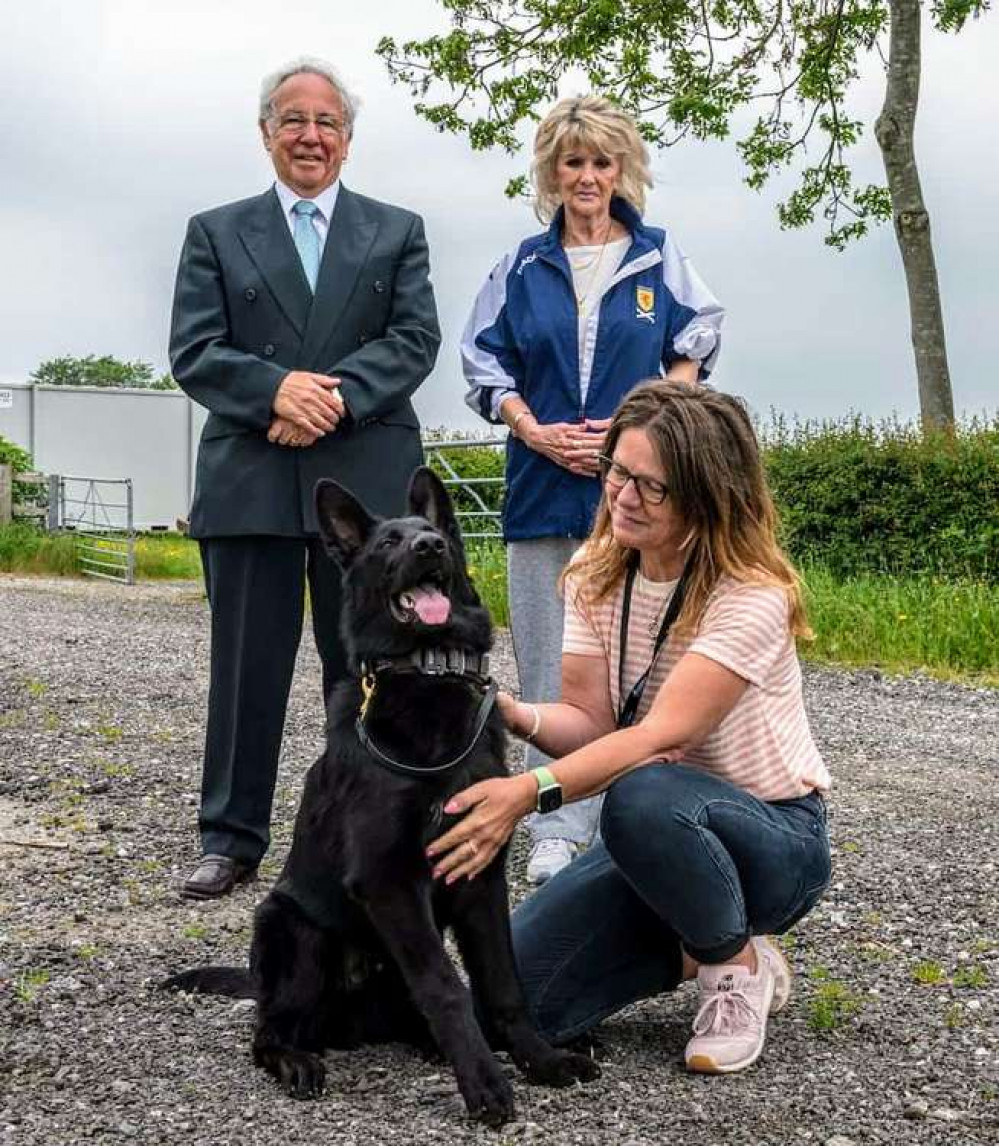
481 521
99 513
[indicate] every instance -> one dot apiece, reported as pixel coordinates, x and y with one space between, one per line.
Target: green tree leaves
683 69
104 371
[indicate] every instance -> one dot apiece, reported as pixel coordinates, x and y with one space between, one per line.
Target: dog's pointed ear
429 498
344 523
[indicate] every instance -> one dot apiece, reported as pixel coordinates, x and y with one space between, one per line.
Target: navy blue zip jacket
523 337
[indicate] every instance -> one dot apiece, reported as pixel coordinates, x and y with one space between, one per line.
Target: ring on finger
473 848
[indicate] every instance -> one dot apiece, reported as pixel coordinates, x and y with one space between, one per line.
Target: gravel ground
891 1036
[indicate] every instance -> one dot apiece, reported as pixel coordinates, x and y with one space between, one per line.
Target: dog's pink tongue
431 606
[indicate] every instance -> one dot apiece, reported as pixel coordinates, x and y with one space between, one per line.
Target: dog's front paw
301 1074
563 1068
488 1095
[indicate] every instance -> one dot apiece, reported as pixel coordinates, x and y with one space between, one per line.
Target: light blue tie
307 239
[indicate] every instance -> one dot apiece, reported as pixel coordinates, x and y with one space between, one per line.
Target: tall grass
25 549
948 628
487 567
167 556
904 624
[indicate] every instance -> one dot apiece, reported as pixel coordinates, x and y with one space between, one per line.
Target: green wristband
544 778
549 791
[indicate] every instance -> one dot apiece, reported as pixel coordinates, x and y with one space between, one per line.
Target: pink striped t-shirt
764 745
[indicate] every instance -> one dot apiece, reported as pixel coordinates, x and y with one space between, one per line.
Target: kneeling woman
681 697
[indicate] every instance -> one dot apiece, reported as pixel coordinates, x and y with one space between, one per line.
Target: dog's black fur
347 947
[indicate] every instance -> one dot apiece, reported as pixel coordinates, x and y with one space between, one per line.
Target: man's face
306 135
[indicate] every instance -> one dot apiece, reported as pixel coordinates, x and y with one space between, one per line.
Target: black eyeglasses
651 492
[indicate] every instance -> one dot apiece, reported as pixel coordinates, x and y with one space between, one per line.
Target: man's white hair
313 66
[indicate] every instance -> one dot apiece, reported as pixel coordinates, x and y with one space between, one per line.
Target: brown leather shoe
216 876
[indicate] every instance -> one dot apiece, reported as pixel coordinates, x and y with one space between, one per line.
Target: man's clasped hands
306 407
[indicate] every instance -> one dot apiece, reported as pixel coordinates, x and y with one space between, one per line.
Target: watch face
550 799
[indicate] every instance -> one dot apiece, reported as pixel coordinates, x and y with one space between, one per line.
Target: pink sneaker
767 948
730 1027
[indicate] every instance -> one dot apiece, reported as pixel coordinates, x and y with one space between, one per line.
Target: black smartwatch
549 791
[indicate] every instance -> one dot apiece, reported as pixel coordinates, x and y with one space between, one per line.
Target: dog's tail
233 982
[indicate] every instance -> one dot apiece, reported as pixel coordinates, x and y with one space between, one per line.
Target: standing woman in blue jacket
565 325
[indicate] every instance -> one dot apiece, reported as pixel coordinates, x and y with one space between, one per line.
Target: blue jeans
686 862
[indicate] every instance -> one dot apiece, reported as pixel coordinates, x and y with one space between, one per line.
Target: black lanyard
629 708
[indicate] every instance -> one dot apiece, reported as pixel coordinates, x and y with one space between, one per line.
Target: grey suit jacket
243 317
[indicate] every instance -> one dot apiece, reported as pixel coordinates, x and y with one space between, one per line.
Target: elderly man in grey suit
303 320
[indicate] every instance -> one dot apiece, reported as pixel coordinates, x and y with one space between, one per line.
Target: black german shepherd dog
347 947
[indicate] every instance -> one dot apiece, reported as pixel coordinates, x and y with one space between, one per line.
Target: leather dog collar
413 770
473 667
434 662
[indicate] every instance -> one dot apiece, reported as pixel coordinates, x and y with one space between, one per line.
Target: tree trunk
894 133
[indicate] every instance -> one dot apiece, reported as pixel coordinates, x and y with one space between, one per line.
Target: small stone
524 1130
916 1111
839 1140
945 1114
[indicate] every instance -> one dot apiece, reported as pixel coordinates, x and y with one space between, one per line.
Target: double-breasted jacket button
378 286
269 350
249 294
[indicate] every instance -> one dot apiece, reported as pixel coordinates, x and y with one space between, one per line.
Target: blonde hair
595 123
709 453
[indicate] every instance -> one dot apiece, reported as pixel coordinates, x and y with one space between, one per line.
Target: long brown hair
709 453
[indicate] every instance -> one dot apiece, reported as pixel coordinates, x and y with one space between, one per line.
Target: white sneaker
548 857
731 1023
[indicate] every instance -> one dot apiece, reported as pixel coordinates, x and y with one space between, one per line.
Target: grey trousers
536 617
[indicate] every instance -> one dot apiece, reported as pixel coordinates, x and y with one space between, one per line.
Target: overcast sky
124 117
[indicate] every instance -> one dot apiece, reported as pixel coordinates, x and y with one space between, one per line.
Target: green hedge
14 456
862 498
855 496
20 462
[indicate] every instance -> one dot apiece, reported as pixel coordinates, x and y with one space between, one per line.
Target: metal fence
100 514
481 522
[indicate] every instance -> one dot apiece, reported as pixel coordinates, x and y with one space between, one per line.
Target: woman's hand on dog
517 716
490 811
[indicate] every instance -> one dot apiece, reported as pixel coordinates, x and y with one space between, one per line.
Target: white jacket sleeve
700 337
490 358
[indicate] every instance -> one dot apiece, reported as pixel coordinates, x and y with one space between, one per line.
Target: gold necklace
595 262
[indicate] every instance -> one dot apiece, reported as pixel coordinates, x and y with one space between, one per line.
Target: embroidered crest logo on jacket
645 303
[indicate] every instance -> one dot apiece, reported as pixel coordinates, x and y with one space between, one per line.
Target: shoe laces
727 1011
552 848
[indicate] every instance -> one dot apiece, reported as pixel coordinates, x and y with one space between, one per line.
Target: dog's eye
389 542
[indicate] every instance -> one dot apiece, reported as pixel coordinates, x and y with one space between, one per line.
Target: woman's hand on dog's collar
490 811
